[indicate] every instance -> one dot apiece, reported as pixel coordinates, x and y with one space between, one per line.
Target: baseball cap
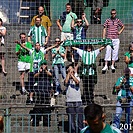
43 62
127 71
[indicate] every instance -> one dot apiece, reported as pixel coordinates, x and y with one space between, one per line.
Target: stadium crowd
45 82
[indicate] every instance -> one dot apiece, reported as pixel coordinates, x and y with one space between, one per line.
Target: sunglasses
113 13
57 41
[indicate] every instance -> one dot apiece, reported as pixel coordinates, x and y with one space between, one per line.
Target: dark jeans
31 81
88 88
75 111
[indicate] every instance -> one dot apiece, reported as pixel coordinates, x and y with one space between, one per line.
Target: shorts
23 66
67 36
2 49
131 69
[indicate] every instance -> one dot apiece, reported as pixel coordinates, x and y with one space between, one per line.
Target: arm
85 20
75 79
29 38
49 31
101 48
121 30
47 49
104 32
29 35
74 48
127 60
41 70
58 24
46 41
119 83
18 49
72 24
67 79
61 54
22 45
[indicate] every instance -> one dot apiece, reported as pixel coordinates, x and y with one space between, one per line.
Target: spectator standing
38 33
58 64
96 11
124 87
73 101
89 70
77 7
2 45
129 58
79 32
64 24
24 59
111 31
95 121
36 56
45 20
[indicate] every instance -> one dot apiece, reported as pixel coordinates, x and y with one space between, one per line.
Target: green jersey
130 64
89 59
24 55
36 58
107 129
38 34
67 19
58 59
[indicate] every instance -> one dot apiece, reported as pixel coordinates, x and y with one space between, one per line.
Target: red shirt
112 26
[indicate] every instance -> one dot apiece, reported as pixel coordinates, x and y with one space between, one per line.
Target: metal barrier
28 120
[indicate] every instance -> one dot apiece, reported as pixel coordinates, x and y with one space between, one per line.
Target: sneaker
57 93
28 102
35 84
112 67
105 68
24 92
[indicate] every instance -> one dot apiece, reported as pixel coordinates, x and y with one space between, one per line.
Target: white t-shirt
2 28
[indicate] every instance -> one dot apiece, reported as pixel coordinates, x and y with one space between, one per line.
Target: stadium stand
13 104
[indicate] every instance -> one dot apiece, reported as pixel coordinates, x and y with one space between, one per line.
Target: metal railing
30 120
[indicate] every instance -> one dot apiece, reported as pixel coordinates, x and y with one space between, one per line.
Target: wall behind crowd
11 9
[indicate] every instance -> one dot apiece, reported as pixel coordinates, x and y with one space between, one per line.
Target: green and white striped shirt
89 59
38 34
36 58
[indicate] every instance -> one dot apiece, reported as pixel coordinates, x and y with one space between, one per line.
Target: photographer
42 87
124 86
129 58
